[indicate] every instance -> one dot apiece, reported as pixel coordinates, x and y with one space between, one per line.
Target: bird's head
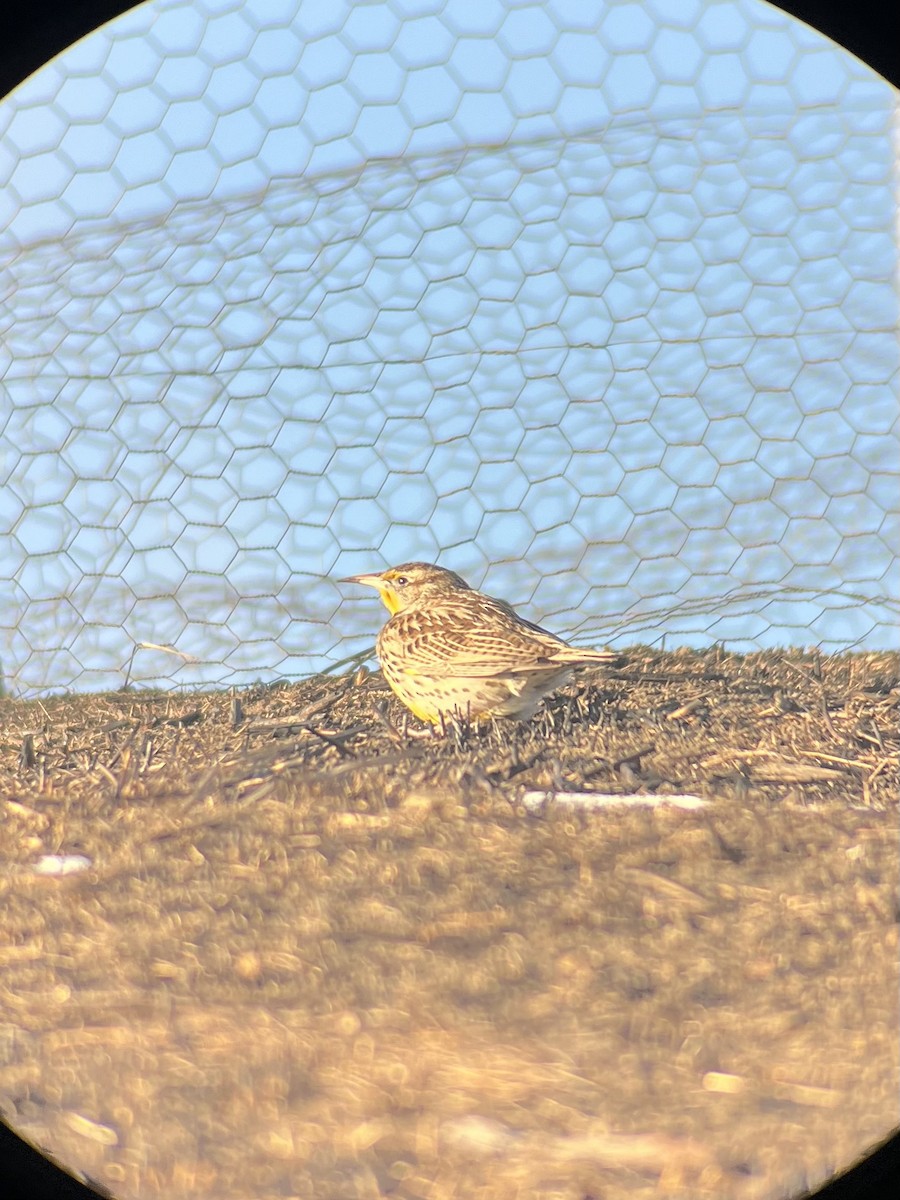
410 584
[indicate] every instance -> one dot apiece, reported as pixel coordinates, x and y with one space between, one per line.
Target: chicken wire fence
594 303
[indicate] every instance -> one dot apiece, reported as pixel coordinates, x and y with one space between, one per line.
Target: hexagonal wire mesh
593 303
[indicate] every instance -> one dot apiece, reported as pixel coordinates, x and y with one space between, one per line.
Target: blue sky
593 302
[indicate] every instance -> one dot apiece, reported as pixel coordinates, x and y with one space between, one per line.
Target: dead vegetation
310 953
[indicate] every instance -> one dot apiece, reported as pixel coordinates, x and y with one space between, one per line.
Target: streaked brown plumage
450 651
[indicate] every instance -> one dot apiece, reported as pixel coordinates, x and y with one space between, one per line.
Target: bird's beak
374 581
384 589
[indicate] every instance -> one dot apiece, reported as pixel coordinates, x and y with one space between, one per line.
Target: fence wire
596 306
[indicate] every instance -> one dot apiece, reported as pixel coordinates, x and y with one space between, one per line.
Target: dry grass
316 956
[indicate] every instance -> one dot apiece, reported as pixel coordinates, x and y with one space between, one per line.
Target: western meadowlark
449 651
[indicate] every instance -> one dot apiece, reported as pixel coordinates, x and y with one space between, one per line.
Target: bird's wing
441 655
558 650
450 644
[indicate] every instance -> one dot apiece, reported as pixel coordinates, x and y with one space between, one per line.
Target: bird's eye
401 581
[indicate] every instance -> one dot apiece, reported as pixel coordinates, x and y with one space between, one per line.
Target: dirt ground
313 955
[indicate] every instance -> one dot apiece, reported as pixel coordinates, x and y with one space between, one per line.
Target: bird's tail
581 654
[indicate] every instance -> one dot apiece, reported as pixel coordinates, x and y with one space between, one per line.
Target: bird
449 652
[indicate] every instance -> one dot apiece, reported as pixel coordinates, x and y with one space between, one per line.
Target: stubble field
309 953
